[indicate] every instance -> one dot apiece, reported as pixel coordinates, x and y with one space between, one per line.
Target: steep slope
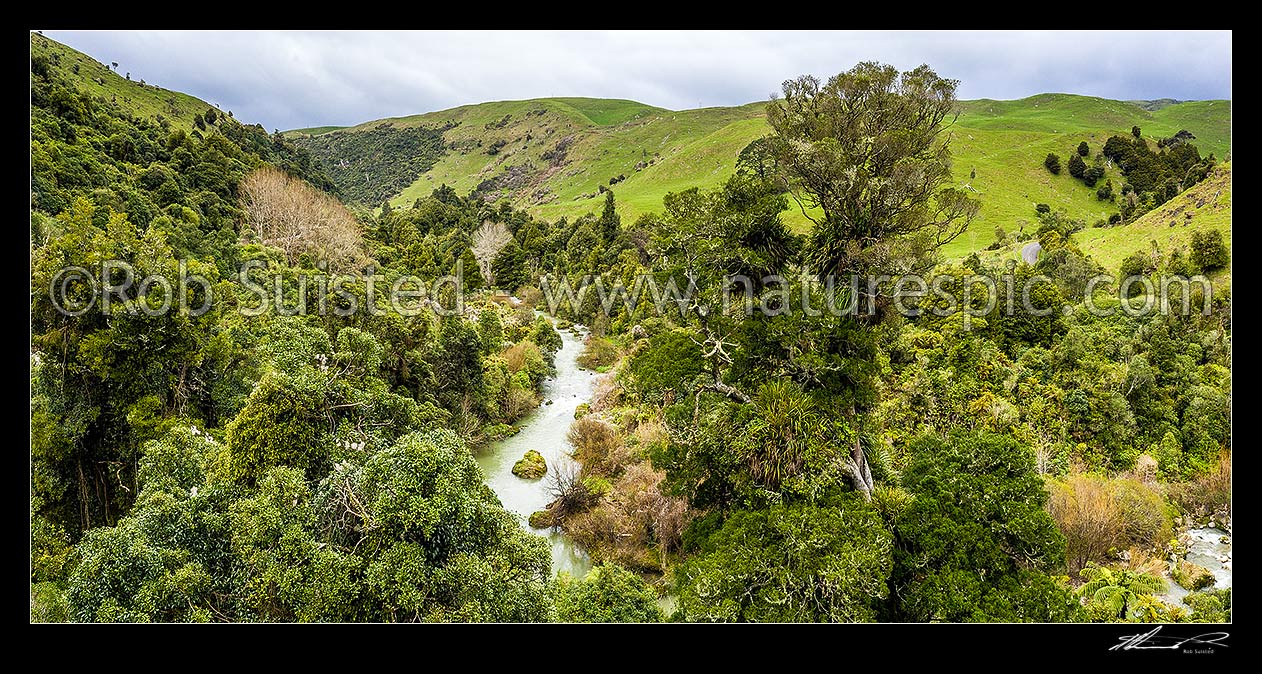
135 97
1205 206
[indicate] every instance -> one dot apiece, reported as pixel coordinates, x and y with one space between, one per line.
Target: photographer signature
1154 641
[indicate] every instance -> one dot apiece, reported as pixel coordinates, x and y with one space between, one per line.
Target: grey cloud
297 79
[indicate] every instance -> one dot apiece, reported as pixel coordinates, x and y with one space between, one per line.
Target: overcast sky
289 80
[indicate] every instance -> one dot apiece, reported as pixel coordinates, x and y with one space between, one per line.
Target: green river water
544 430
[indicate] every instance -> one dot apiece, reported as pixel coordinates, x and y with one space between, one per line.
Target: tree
608 594
282 424
1118 148
798 563
438 544
1076 166
490 329
470 270
297 218
976 544
1083 149
868 149
1208 250
545 336
1091 175
1105 191
486 244
458 368
509 267
756 160
1135 131
609 219
1052 162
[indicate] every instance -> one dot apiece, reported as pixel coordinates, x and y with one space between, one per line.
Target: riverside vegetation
310 466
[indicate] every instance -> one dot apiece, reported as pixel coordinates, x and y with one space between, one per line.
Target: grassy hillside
552 155
141 100
1206 205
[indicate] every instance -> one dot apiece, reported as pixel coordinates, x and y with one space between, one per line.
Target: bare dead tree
487 242
295 217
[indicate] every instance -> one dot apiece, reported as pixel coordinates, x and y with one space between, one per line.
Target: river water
544 431
1208 548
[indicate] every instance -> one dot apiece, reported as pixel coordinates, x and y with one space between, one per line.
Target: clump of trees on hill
1151 178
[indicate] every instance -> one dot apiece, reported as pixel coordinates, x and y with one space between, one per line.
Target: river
544 430
1207 547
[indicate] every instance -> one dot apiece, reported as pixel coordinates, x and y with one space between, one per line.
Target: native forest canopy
282 442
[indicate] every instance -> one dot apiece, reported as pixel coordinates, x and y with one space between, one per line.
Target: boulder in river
541 519
531 466
1191 576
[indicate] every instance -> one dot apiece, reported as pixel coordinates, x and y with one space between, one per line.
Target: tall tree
609 219
867 159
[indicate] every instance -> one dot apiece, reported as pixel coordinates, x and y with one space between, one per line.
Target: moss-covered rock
1192 577
542 519
531 466
582 410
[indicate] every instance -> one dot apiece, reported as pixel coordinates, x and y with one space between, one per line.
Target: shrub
1105 192
569 494
525 357
1083 149
1076 166
635 524
1191 576
1098 515
1207 493
597 445
1052 162
1208 250
598 353
1042 209
608 594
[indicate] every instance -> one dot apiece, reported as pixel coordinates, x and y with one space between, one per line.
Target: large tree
867 158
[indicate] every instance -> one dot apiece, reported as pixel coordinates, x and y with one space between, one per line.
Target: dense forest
313 461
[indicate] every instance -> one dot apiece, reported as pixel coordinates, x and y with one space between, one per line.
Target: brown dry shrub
519 402
1098 515
606 393
598 446
520 354
1208 493
635 524
651 433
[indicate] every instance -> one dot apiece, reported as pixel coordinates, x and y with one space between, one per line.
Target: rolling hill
1206 205
551 156
137 97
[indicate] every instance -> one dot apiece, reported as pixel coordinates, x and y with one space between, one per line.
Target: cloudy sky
289 80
